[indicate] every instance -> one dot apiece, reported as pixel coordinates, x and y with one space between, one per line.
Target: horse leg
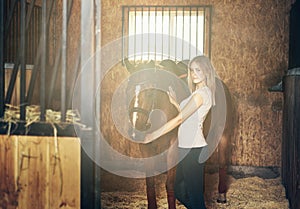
151 194
171 174
223 156
170 188
150 185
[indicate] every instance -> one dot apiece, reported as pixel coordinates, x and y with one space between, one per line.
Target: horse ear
169 65
183 68
130 67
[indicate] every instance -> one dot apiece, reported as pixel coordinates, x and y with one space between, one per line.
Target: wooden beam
2 73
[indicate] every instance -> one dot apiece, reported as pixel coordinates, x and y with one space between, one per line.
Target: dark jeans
189 179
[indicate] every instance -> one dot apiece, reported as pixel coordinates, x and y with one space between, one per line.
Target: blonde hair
208 70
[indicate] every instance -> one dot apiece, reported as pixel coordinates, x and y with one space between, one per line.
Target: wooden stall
290 141
15 100
291 114
34 173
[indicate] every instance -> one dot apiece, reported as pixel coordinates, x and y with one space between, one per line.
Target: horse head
140 103
152 85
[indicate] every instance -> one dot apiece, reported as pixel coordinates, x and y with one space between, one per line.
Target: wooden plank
35 173
64 169
15 100
8 187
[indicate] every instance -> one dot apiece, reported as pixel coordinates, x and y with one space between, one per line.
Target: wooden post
90 179
2 76
291 139
23 61
43 62
64 60
291 114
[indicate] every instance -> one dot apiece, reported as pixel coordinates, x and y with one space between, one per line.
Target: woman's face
197 74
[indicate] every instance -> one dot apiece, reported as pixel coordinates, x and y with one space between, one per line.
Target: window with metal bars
165 32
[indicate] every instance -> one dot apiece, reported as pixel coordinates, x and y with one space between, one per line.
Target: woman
193 111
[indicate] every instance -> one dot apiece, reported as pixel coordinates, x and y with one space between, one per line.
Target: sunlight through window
157 33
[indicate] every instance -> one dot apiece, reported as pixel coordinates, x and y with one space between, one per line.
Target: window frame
126 38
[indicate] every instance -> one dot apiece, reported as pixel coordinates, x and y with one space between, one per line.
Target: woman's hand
148 138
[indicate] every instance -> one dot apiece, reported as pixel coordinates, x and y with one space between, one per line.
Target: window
166 32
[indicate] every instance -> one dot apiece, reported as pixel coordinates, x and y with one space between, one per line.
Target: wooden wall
15 100
35 173
250 53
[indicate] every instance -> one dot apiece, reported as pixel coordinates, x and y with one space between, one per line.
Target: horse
224 146
151 98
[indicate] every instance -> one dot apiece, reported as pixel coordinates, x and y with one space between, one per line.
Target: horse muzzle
136 135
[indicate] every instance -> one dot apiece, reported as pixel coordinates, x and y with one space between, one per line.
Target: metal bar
197 17
134 51
37 62
182 41
34 43
9 19
12 81
210 28
17 62
29 13
2 70
169 33
176 33
204 31
142 34
162 33
190 33
15 34
58 59
148 33
43 62
64 60
128 33
123 33
30 34
155 32
22 61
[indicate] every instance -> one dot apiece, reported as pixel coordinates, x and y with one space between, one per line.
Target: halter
140 110
144 112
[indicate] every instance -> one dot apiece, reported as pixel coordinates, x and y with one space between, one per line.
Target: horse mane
179 69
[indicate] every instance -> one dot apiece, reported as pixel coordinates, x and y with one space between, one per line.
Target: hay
246 193
12 115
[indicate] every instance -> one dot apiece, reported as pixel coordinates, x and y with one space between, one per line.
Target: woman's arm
193 104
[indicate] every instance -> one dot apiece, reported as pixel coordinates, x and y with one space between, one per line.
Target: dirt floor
243 193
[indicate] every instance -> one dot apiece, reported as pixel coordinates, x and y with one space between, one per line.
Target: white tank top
190 133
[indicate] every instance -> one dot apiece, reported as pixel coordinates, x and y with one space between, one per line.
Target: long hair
209 71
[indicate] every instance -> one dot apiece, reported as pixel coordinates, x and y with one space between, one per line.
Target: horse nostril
136 135
131 132
148 126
